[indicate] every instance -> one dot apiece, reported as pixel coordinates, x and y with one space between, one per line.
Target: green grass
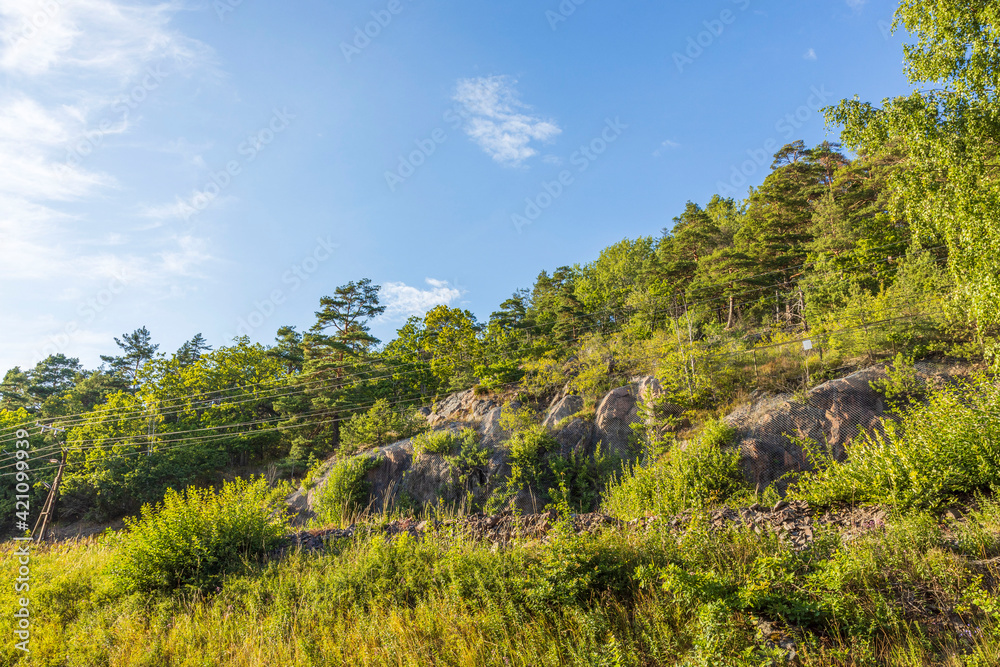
694 474
621 598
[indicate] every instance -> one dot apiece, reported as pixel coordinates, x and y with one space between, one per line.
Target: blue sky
219 166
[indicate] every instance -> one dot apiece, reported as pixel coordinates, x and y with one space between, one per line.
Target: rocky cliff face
831 415
766 428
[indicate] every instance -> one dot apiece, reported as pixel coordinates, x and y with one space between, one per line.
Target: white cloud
403 301
75 74
68 66
90 38
498 121
810 54
856 4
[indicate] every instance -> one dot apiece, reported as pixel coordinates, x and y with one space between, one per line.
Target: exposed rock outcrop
831 414
615 416
566 407
463 407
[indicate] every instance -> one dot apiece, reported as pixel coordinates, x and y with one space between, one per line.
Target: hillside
767 434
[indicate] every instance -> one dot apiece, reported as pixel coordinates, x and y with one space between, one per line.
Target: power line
187 441
300 387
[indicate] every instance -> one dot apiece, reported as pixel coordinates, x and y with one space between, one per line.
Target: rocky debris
317 540
504 529
831 414
773 637
794 522
498 529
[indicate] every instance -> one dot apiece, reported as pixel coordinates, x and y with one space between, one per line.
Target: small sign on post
807 345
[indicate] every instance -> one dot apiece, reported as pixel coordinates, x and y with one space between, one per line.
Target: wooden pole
50 503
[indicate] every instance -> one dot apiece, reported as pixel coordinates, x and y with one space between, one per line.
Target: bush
346 490
381 425
193 539
937 451
700 473
435 442
471 458
581 478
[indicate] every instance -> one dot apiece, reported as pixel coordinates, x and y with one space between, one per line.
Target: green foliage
379 426
346 490
935 452
527 448
620 597
196 538
469 465
943 137
901 384
581 479
693 474
435 442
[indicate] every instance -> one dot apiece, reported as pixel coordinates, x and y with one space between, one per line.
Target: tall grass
694 474
913 595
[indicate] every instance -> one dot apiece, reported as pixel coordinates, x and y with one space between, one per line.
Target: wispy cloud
74 74
499 122
403 301
856 4
67 66
810 54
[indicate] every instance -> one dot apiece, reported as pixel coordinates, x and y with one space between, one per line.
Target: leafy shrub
346 490
379 426
472 456
700 473
498 375
435 442
528 445
938 450
901 384
581 479
193 539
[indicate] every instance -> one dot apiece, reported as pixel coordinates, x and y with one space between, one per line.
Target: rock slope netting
767 429
831 415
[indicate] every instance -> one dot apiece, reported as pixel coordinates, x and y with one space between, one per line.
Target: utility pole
42 524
